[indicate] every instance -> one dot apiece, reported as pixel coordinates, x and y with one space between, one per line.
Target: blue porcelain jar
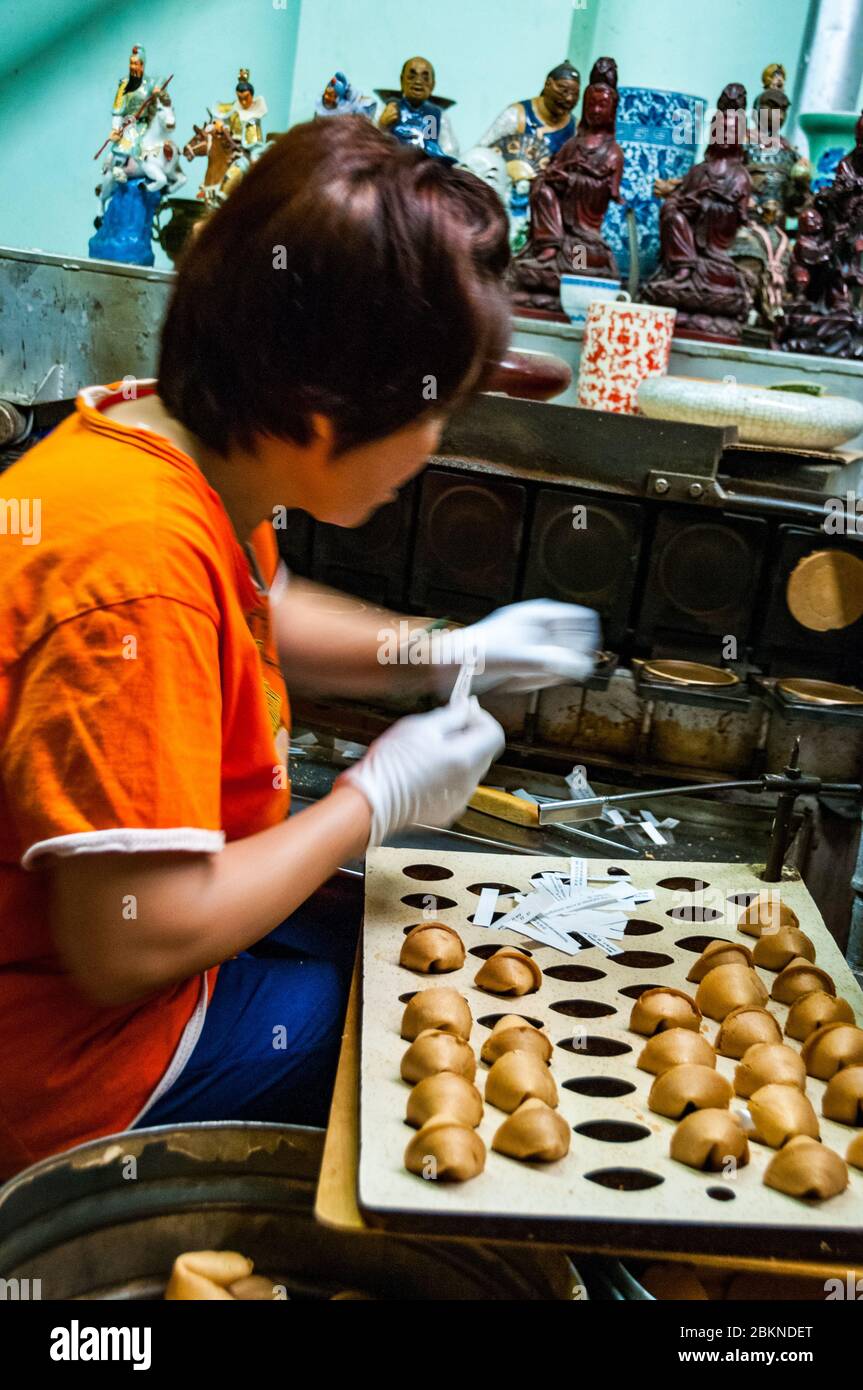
659 133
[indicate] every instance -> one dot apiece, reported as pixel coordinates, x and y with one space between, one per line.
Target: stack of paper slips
592 903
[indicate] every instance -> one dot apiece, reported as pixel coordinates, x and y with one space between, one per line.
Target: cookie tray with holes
617 1188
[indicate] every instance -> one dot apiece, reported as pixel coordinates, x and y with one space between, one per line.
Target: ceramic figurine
413 118
780 187
142 163
488 165
339 98
521 175
698 224
826 278
227 161
568 202
243 117
534 130
779 172
132 92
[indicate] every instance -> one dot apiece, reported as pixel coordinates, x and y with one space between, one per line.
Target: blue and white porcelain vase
659 133
831 136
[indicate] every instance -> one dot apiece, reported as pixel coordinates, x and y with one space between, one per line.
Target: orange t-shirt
141 707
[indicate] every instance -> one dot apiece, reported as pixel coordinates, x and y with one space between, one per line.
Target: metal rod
551 812
781 829
595 839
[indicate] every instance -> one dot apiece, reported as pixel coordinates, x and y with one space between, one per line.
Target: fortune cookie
766 1064
677 1048
812 1010
726 988
744 1026
855 1151
514 1034
707 1139
776 949
831 1048
445 1151
766 911
780 1113
843 1097
682 1089
207 1275
255 1289
800 977
432 948
719 953
658 1009
433 1051
534 1133
445 1093
805 1168
441 1008
516 1077
509 971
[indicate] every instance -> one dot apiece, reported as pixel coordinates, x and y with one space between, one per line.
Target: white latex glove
426 767
525 646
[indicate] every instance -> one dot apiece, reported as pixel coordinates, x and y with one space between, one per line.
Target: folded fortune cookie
509 971
804 1168
445 1151
432 948
438 1007
533 1133
514 1034
516 1077
433 1051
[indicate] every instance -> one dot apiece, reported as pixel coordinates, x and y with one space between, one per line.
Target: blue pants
270 1042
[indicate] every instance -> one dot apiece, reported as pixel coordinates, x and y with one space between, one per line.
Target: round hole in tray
691 912
742 899
636 991
683 885
583 1008
485 951
642 960
613 1131
601 1086
406 998
429 901
595 1046
505 888
489 1020
697 944
639 926
495 917
575 974
427 872
618 872
625 1179
721 1194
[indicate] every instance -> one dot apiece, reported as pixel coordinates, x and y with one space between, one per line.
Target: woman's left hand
527 646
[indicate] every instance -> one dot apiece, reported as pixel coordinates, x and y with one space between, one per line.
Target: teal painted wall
60 61
58 75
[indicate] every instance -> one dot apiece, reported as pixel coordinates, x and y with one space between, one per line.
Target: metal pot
108 1219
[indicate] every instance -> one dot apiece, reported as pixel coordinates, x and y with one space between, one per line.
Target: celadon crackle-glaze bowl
762 416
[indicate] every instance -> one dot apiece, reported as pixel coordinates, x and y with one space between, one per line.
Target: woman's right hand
425 768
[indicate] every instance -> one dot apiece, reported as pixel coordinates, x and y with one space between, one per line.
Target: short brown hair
392 276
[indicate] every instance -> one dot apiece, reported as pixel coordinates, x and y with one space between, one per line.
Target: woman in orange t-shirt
323 324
